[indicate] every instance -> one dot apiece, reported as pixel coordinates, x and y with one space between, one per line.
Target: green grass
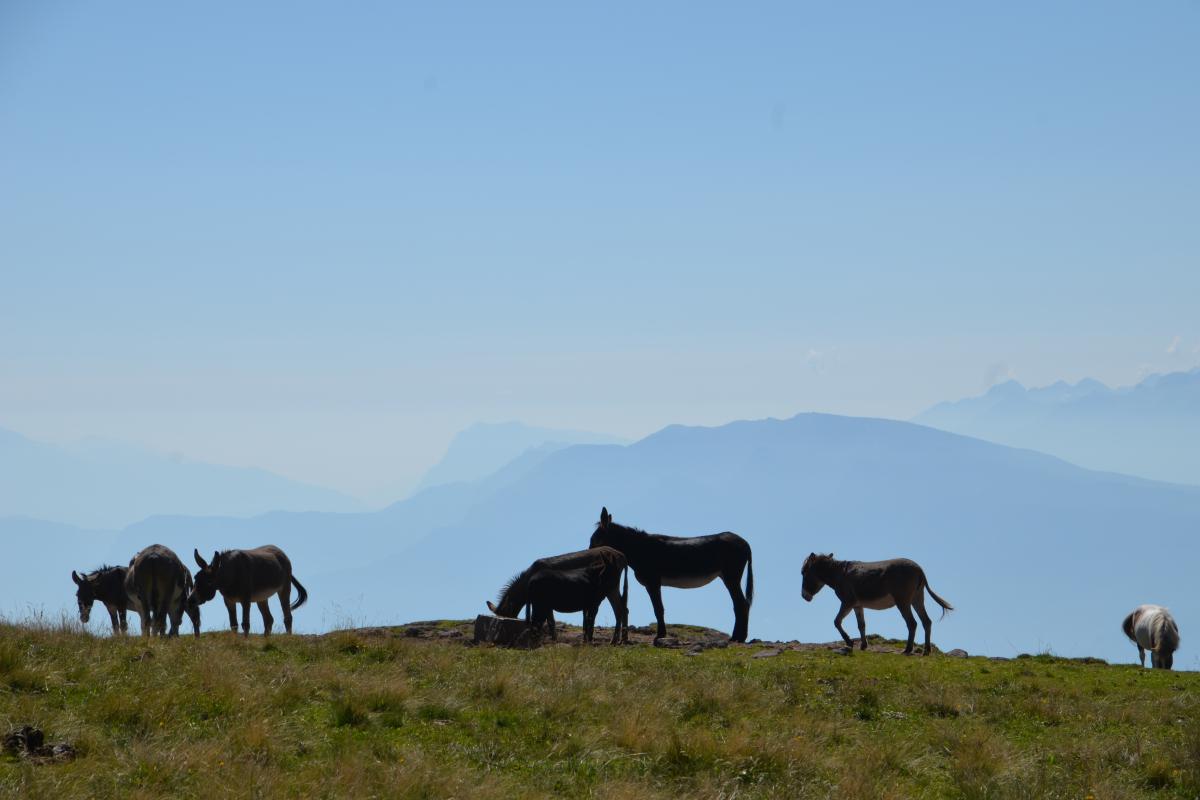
349 715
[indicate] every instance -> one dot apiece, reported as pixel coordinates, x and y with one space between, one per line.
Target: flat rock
770 653
667 641
957 652
505 632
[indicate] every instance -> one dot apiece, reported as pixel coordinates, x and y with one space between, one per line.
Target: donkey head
811 583
205 587
603 534
85 595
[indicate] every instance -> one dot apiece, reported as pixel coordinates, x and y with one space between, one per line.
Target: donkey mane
628 528
102 568
520 579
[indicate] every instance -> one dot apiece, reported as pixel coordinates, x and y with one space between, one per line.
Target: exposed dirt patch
689 639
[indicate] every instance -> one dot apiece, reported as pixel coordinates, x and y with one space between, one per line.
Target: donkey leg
862 626
245 618
145 618
285 602
614 600
741 609
268 620
124 620
176 617
116 621
911 622
837 623
655 591
926 622
1142 655
231 607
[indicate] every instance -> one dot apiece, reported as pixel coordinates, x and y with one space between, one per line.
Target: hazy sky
320 238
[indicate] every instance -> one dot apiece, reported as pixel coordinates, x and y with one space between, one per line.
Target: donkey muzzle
807 596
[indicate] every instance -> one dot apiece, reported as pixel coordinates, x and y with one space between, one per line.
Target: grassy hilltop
381 714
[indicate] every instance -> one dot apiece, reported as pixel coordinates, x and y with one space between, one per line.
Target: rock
695 650
506 632
770 653
957 652
453 633
30 743
667 641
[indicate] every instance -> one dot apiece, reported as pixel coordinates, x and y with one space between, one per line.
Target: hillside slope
381 714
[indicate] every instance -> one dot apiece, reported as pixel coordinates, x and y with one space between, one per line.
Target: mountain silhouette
1151 429
98 484
485 447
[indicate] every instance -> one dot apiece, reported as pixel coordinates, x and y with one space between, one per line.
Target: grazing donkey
517 594
1153 628
872 584
570 590
249 576
107 585
160 584
684 563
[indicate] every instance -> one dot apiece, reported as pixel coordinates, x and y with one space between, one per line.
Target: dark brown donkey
249 576
571 590
608 563
684 563
107 585
872 584
159 583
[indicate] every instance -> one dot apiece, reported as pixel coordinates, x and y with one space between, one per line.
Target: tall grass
348 715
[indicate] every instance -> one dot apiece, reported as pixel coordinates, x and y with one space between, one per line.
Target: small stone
667 641
957 652
771 653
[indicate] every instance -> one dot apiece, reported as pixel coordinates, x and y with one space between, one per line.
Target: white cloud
1173 347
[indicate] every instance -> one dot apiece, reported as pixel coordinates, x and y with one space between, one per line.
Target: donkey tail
623 623
303 593
749 579
945 606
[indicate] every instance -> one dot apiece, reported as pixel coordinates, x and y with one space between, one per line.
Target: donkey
872 584
570 590
684 563
107 584
159 583
249 576
516 594
1153 628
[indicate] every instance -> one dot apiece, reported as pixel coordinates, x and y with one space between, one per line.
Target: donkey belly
877 604
688 581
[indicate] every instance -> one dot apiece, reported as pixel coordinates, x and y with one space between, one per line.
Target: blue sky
321 239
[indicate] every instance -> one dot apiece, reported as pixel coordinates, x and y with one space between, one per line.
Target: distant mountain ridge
99 484
485 447
1151 429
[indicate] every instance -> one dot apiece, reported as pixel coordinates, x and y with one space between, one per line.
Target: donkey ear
492 607
216 558
199 560
831 555
605 517
78 580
